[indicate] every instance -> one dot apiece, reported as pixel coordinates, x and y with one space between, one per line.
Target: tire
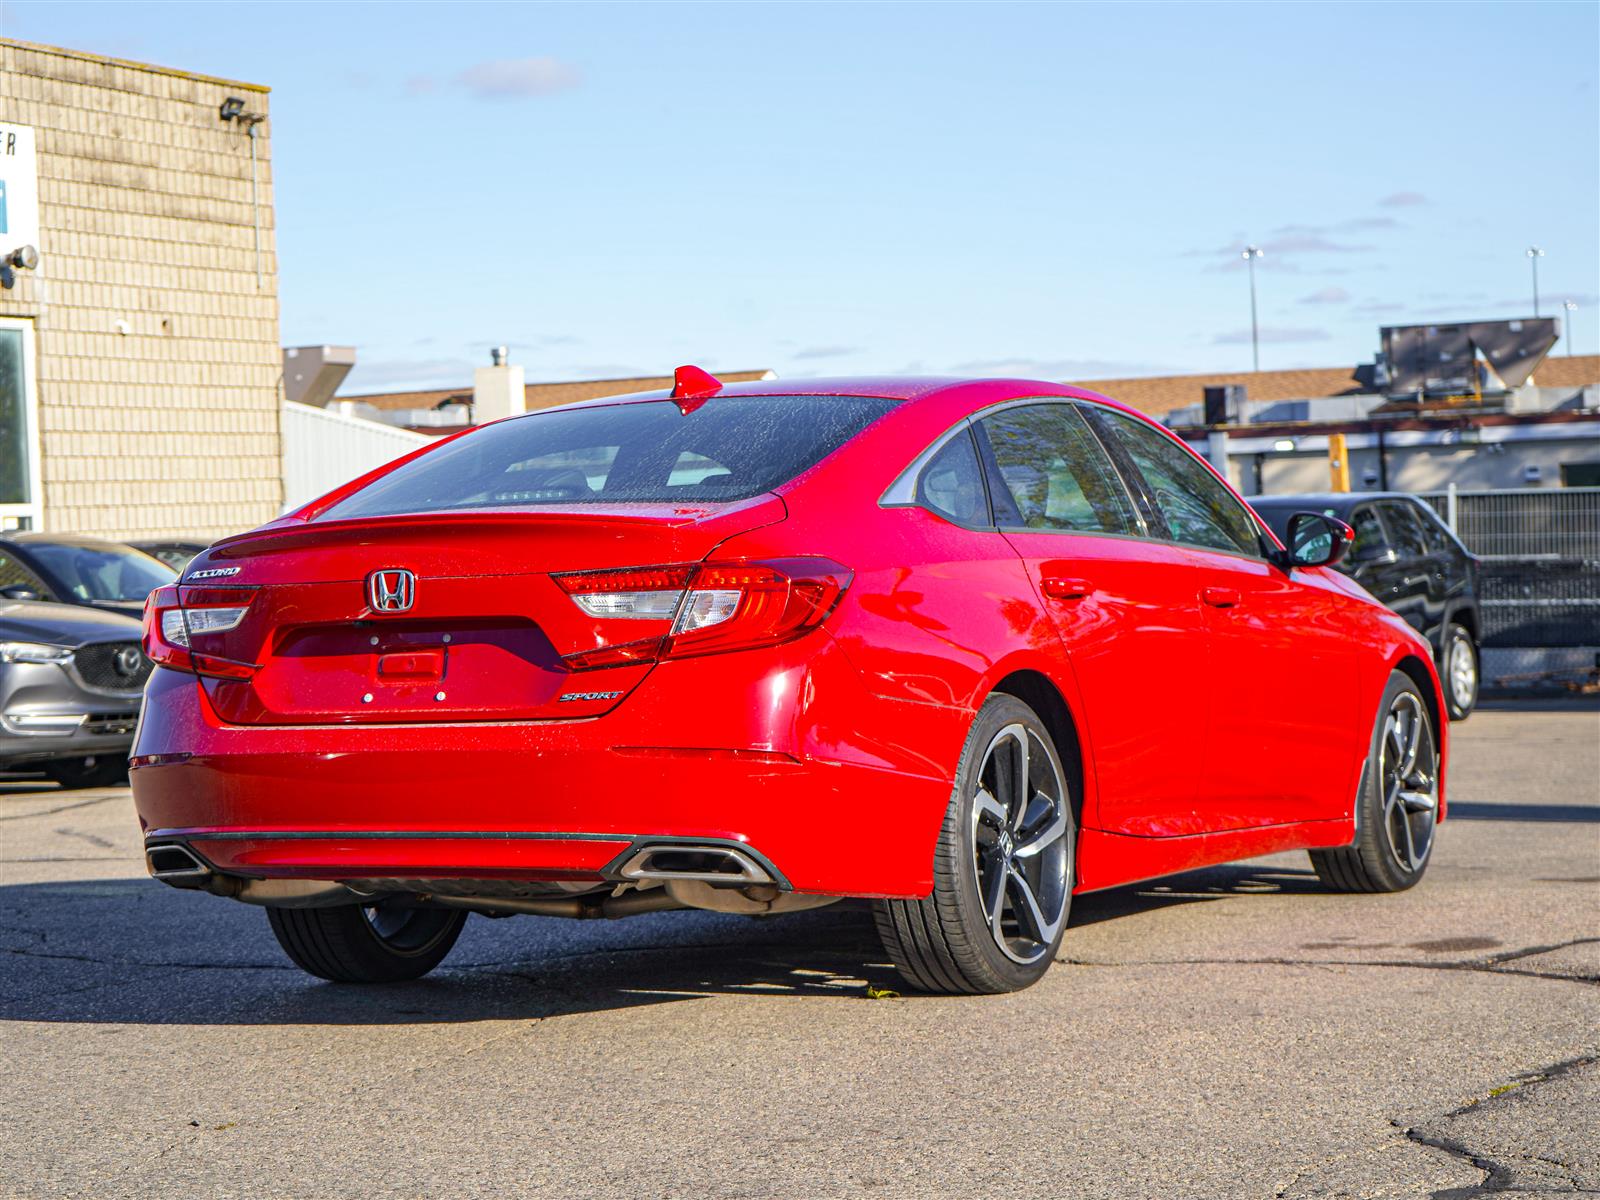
1459 671
1398 804
91 772
358 944
963 940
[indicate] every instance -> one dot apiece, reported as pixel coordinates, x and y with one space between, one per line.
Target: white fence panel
322 450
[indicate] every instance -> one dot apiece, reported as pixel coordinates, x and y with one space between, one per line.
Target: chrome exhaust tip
176 864
707 864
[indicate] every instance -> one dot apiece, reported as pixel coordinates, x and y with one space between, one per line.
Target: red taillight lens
171 625
711 608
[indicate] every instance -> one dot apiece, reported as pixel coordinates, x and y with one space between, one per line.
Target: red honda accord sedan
962 648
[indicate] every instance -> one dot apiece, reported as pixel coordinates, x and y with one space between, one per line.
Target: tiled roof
544 395
1160 394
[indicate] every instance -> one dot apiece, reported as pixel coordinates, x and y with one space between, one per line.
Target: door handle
1219 597
1061 587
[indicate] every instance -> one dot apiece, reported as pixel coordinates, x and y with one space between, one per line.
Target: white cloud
1270 334
1328 295
1403 200
518 78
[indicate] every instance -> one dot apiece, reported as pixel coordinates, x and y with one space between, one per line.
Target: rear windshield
727 449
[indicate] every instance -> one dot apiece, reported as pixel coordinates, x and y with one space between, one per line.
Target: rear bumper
775 762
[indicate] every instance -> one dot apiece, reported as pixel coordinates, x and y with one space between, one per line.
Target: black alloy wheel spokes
1408 775
1020 845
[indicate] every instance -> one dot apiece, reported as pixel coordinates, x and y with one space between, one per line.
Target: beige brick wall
146 218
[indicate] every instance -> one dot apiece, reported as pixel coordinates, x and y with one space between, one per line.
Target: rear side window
1054 474
729 448
952 483
1198 510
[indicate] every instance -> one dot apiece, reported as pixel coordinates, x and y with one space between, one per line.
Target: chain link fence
1540 575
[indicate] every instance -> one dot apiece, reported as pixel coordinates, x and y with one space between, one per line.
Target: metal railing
1541 561
1523 521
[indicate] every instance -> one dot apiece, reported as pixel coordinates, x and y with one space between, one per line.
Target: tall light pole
1571 306
1534 255
1250 254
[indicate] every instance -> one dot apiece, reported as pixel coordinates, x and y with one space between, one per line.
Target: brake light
170 627
712 607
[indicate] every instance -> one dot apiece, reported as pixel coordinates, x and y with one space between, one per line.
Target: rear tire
366 944
98 770
1459 671
1003 866
1398 805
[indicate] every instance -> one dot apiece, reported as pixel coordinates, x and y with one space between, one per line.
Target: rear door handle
1061 587
1219 597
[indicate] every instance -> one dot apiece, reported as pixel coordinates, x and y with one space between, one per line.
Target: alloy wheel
1461 670
1407 767
1023 855
407 930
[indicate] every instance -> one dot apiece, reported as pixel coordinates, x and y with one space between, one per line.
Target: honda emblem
391 590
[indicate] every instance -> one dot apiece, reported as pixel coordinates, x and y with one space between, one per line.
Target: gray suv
71 683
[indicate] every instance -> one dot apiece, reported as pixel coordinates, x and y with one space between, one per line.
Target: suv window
14 574
1405 529
1198 510
731 448
952 482
1440 539
1370 540
1053 473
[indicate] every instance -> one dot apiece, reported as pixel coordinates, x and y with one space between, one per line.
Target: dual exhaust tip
174 863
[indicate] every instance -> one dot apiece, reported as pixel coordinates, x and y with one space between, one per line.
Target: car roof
35 536
1337 500
879 387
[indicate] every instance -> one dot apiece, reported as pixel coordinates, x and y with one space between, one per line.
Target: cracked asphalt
1232 1032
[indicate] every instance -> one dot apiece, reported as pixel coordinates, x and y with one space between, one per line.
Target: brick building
139 358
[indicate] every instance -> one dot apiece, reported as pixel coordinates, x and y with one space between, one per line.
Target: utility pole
1534 255
1572 307
1250 254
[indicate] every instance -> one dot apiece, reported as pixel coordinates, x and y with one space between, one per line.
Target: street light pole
1250 254
1534 255
1571 306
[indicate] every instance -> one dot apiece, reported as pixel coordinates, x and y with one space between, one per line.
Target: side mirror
19 591
1316 540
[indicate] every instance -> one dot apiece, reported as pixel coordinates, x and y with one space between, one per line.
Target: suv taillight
705 608
170 627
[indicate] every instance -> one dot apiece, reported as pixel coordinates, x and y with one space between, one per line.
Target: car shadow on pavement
1466 810
1209 883
128 951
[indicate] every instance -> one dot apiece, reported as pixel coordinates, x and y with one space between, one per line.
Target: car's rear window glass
729 448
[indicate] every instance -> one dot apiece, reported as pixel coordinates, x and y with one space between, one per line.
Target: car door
1128 620
1280 675
1416 577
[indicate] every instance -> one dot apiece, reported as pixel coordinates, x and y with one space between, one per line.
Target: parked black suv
1408 558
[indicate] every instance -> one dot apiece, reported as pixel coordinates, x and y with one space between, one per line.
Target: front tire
1003 867
1459 667
366 943
1398 806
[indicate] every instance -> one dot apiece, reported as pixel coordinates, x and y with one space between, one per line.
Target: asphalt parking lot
1230 1032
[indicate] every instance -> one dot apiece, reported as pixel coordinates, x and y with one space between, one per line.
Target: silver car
71 683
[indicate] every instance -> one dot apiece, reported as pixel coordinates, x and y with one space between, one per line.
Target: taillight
171 626
711 607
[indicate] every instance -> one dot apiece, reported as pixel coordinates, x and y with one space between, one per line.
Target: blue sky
1052 190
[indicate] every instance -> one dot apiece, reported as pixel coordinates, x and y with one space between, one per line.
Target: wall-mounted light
233 109
1284 446
24 258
